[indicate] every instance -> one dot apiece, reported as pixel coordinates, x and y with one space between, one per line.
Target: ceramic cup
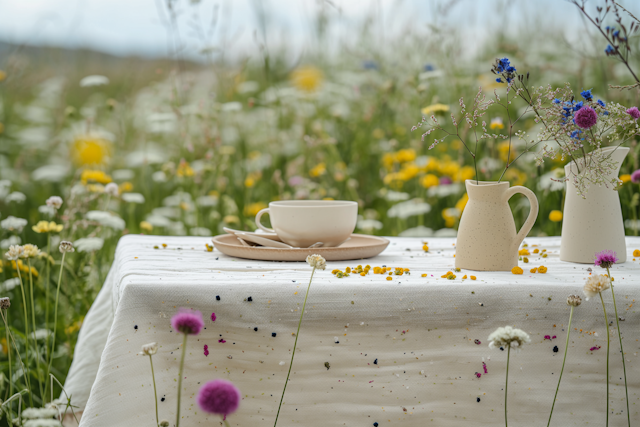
301 223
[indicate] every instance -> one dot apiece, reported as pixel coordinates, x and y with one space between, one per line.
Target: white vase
594 223
487 237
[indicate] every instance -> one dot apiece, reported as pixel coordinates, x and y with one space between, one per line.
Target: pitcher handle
533 212
260 226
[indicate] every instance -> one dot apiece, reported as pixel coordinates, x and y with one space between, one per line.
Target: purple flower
213 317
606 258
586 117
634 112
206 350
187 321
219 397
635 177
445 180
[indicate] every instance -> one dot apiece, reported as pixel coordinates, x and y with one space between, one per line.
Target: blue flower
601 103
606 113
556 101
508 80
576 134
609 50
616 33
369 64
578 106
586 94
511 69
499 80
428 67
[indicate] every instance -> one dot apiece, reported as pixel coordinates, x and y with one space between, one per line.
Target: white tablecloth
403 352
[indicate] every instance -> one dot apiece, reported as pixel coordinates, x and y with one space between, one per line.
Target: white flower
508 336
552 181
54 202
41 334
396 196
112 189
419 231
47 210
16 196
409 208
231 106
317 261
200 231
42 423
106 219
248 87
51 173
14 252
30 251
36 413
123 174
574 300
11 223
150 349
159 176
596 284
12 240
94 80
133 198
369 224
158 220
10 284
89 244
65 247
441 191
207 201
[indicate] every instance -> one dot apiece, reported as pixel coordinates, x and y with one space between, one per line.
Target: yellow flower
400 130
496 123
209 247
465 173
94 175
408 172
90 150
435 109
542 269
406 155
377 133
625 178
252 209
24 268
429 180
450 217
318 170
636 252
503 148
47 227
307 78
95 188
448 168
5 346
555 216
231 219
524 251
125 187
517 270
3 75
462 203
249 182
184 169
515 176
75 327
146 226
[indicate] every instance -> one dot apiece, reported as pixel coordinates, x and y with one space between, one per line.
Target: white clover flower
596 284
396 196
16 196
508 336
94 80
317 261
89 244
133 198
574 300
106 219
150 349
14 252
11 240
112 189
65 247
54 202
11 223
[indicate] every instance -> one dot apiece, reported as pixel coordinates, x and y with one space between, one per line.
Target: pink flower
585 118
222 341
478 374
635 177
606 258
547 337
634 112
445 180
213 317
206 350
219 397
187 321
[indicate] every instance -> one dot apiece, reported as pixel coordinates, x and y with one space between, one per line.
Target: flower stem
294 346
624 367
26 337
184 351
155 393
6 324
33 322
55 317
506 385
6 327
566 349
46 302
606 319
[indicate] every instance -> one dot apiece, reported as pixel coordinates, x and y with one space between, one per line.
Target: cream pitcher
487 237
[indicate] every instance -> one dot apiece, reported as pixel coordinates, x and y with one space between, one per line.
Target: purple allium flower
445 180
635 177
606 258
634 112
219 397
213 317
206 350
586 117
187 321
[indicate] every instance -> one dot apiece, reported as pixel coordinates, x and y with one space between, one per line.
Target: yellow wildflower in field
625 178
95 176
24 268
47 227
125 187
95 188
251 179
465 173
503 149
90 150
435 109
307 78
377 133
408 171
496 123
231 219
448 167
555 216
318 170
406 155
450 216
3 75
429 180
252 209
462 203
146 226
515 176
5 346
184 169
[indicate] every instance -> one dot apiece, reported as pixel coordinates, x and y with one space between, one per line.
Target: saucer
358 247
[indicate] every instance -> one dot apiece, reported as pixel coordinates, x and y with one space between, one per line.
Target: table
403 352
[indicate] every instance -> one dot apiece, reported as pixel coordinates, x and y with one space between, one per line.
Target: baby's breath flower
317 261
14 252
66 246
30 251
54 202
112 189
150 349
596 284
47 227
574 300
508 336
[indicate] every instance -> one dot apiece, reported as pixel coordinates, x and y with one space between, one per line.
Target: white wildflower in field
47 210
441 191
54 202
11 240
200 231
369 224
50 173
107 219
16 196
552 181
207 201
11 223
112 189
37 413
409 208
508 336
10 284
94 80
419 231
89 244
396 196
123 174
133 198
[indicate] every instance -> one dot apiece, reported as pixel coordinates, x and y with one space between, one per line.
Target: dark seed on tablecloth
273 334
375 362
249 299
135 327
477 399
555 349
375 424
217 297
255 329
501 348
162 400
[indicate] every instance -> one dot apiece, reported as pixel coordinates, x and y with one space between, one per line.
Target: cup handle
262 227
533 211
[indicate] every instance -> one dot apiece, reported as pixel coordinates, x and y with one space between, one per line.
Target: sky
139 27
